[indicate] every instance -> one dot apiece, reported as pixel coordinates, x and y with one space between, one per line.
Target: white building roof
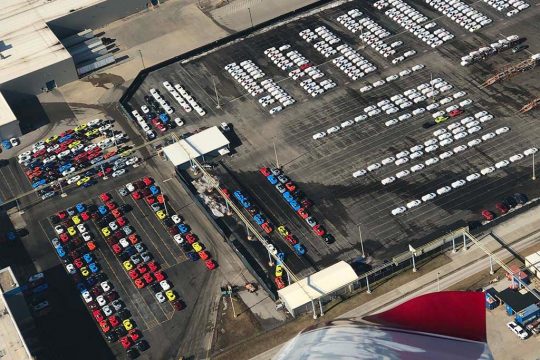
533 262
196 145
317 285
6 115
26 43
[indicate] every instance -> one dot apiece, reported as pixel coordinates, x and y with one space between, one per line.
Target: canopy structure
316 285
200 144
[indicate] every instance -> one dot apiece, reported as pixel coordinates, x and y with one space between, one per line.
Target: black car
428 124
156 288
186 247
521 198
510 201
124 314
142 345
329 239
519 48
121 331
132 353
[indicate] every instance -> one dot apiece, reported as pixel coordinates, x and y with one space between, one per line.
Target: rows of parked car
350 61
176 227
35 292
442 137
246 74
403 73
512 7
413 21
461 13
183 97
74 149
503 207
75 246
462 182
486 51
292 195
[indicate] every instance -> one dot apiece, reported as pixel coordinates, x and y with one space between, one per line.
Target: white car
347 123
446 155
333 129
178 239
487 170
459 94
178 121
404 117
439 132
431 161
479 114
502 130
416 154
359 173
388 180
460 135
105 285
417 148
460 148
165 285
373 167
530 151
176 219
474 129
81 228
516 157
402 154
443 190
473 177
417 167
319 135
388 160
86 296
429 197
360 118
446 142
413 203
518 330
399 210
458 183
160 297
402 174
391 78
379 83
73 179
366 88
391 122
502 164
401 161
417 67
430 142
488 136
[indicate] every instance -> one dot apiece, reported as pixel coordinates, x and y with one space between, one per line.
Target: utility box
530 313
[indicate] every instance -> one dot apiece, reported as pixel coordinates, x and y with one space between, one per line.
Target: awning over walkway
202 143
317 285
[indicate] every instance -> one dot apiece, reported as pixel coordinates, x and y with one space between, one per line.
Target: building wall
10 130
96 16
62 73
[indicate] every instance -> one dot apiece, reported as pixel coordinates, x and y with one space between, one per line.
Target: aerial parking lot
397 152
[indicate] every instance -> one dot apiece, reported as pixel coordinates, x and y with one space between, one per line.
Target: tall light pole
275 153
534 170
142 60
361 241
217 95
438 284
250 18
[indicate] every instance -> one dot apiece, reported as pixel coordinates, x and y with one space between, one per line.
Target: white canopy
196 145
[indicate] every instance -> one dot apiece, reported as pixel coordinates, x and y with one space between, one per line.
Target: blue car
130 250
238 194
259 219
272 179
288 196
154 190
6 144
281 257
11 235
299 249
39 183
80 207
88 258
40 288
164 117
193 256
94 268
246 204
61 252
103 209
183 228
64 167
91 281
295 205
89 183
81 287
64 138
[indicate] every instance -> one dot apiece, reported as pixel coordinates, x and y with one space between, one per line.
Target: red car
62 215
178 305
210 264
190 238
153 266
134 334
503 209
488 215
267 228
98 315
133 239
142 268
106 171
136 195
105 327
455 113
116 213
139 283
148 181
172 230
204 255
161 127
110 205
306 203
126 342
109 154
265 171
305 66
290 186
64 237
161 198
133 274
85 216
160 276
291 239
226 192
116 248
303 213
148 278
91 246
121 221
150 199
114 321
319 230
279 282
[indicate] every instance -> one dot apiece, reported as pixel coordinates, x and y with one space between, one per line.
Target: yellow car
71 231
80 128
279 270
106 231
126 153
197 247
440 119
161 214
128 325
84 271
127 265
283 230
74 144
91 133
52 139
84 180
76 219
171 296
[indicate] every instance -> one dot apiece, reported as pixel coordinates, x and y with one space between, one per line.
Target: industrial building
9 125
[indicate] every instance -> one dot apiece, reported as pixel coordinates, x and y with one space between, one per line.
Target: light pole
250 18
361 241
534 172
142 60
275 153
217 95
438 283
413 252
